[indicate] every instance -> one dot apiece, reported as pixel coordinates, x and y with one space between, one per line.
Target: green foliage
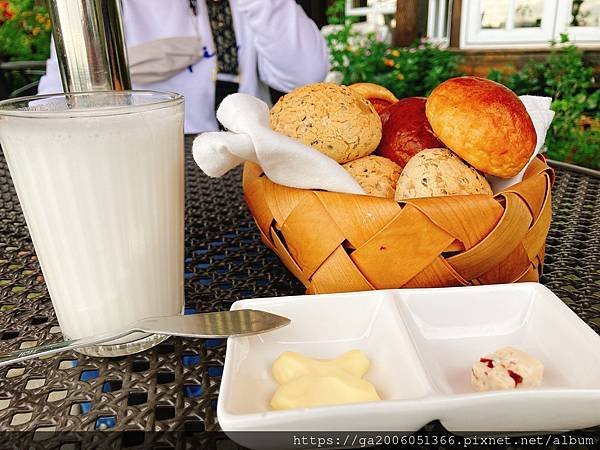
358 58
564 77
336 13
407 72
25 32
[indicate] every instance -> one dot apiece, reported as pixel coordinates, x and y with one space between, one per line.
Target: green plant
407 72
25 34
418 69
336 13
564 77
6 12
356 57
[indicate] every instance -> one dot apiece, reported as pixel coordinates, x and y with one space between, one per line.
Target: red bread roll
405 130
483 122
379 104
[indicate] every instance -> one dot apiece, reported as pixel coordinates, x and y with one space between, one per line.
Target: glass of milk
100 180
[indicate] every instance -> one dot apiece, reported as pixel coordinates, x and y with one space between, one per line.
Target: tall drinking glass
100 180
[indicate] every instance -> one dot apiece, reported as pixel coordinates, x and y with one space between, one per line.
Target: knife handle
57 347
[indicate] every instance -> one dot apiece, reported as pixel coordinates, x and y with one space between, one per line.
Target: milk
103 200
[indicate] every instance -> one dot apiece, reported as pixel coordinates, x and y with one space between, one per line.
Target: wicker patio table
174 386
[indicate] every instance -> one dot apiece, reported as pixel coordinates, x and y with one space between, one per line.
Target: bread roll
375 174
379 96
437 172
330 118
484 123
405 131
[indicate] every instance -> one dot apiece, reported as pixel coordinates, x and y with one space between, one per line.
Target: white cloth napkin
541 116
291 163
284 160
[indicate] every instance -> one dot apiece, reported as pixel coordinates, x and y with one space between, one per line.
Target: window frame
351 10
580 35
473 36
439 21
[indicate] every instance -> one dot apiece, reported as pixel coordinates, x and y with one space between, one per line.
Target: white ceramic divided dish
422 344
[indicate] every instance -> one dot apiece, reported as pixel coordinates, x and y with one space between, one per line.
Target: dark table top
174 386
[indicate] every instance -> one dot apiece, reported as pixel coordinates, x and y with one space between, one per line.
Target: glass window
493 13
438 16
528 13
585 13
528 23
493 23
364 7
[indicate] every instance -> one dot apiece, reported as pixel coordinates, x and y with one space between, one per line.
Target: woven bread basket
335 242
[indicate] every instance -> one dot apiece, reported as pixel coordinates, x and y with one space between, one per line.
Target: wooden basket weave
336 242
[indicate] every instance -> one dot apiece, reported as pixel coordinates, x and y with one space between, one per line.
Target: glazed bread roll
331 118
379 96
405 131
375 174
436 172
484 123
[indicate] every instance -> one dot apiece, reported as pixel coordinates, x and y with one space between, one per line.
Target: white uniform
279 46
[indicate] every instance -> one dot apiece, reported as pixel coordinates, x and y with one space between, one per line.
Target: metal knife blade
241 322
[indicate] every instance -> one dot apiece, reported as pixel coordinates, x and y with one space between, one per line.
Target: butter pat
291 365
306 382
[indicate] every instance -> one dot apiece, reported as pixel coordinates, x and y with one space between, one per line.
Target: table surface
174 386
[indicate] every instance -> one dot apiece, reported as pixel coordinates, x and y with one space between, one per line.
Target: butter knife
242 322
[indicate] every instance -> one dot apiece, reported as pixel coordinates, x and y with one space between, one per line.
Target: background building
489 33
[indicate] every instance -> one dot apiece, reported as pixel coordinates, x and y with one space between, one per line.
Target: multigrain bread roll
484 123
330 118
437 172
375 174
379 96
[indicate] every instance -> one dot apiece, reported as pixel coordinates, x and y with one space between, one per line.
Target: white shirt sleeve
50 83
291 50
